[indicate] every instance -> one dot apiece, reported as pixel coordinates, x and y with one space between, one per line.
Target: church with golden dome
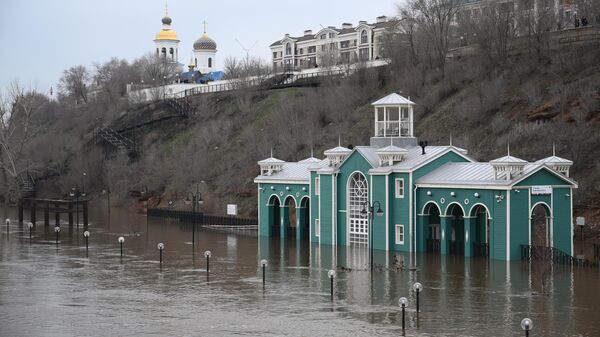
204 49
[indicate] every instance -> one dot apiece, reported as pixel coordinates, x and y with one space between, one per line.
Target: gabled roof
391 149
479 174
509 160
393 99
338 150
414 159
554 160
291 172
270 161
310 160
368 152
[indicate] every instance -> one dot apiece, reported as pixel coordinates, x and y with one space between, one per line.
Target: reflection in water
50 291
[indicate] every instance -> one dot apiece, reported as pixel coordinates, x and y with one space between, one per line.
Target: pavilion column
470 234
300 221
446 233
284 214
422 222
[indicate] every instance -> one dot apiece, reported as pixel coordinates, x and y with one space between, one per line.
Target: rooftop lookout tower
394 121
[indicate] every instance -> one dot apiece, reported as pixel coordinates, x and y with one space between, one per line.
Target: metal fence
433 245
201 218
554 255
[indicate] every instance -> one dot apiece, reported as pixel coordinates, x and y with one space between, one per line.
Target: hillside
530 105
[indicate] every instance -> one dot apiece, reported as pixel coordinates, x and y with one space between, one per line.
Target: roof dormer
337 155
556 163
270 166
391 155
508 166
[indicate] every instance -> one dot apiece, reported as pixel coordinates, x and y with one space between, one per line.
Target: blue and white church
398 194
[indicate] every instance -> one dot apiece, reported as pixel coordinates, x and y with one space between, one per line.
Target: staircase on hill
114 138
181 106
27 185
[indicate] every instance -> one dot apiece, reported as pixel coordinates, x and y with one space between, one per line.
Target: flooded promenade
59 290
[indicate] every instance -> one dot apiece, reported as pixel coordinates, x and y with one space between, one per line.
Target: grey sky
41 38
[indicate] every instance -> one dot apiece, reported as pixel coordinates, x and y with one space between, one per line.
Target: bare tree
18 108
435 18
74 84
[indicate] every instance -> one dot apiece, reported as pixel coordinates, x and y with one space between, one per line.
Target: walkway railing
554 255
433 245
481 249
200 218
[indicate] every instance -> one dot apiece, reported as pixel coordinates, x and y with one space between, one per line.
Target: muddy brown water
50 290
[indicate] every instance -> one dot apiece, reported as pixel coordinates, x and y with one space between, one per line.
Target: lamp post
75 194
368 209
7 224
207 255
403 302
526 325
417 287
86 235
263 263
196 202
121 241
331 275
57 231
161 247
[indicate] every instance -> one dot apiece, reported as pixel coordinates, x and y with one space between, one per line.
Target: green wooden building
398 194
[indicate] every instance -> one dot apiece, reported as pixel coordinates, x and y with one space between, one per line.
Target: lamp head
160 246
56 229
526 324
403 301
418 287
331 273
121 239
379 211
7 221
263 262
86 234
30 225
207 253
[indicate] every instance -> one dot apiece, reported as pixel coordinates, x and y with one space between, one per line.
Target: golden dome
167 34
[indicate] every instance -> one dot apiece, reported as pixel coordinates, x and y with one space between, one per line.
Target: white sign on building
541 190
232 209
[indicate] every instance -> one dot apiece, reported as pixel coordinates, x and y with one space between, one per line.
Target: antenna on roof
450 139
271 152
339 140
508 146
312 152
391 141
553 149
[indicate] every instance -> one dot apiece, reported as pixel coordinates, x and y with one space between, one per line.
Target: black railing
481 249
554 255
200 218
457 247
433 245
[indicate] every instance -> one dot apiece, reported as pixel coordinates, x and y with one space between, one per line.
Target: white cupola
394 118
556 163
166 40
391 155
205 53
270 165
508 166
337 155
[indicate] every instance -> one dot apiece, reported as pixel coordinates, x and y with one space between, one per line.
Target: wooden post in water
57 215
33 212
70 214
47 214
85 214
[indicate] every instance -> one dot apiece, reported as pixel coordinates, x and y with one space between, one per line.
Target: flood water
58 290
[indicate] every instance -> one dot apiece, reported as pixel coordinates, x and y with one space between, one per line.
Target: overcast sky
41 38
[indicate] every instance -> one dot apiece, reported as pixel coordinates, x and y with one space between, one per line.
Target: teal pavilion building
398 194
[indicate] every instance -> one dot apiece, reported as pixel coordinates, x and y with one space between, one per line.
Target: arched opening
290 222
456 237
157 52
164 51
171 52
480 236
364 36
303 213
540 226
274 216
432 227
210 62
358 197
288 49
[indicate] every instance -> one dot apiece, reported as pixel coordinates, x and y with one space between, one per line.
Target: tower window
364 37
210 62
196 62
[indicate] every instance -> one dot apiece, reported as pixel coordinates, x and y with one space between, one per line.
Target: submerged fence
554 255
202 219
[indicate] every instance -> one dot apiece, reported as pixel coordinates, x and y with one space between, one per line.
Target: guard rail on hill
554 255
201 218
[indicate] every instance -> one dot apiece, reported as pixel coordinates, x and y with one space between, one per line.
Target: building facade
330 46
400 195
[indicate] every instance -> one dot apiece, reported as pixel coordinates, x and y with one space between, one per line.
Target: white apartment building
331 46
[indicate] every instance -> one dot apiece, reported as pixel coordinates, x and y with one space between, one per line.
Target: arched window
164 51
364 36
288 49
157 51
210 62
358 197
196 62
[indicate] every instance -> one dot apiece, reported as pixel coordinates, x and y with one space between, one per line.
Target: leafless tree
435 18
18 108
74 84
